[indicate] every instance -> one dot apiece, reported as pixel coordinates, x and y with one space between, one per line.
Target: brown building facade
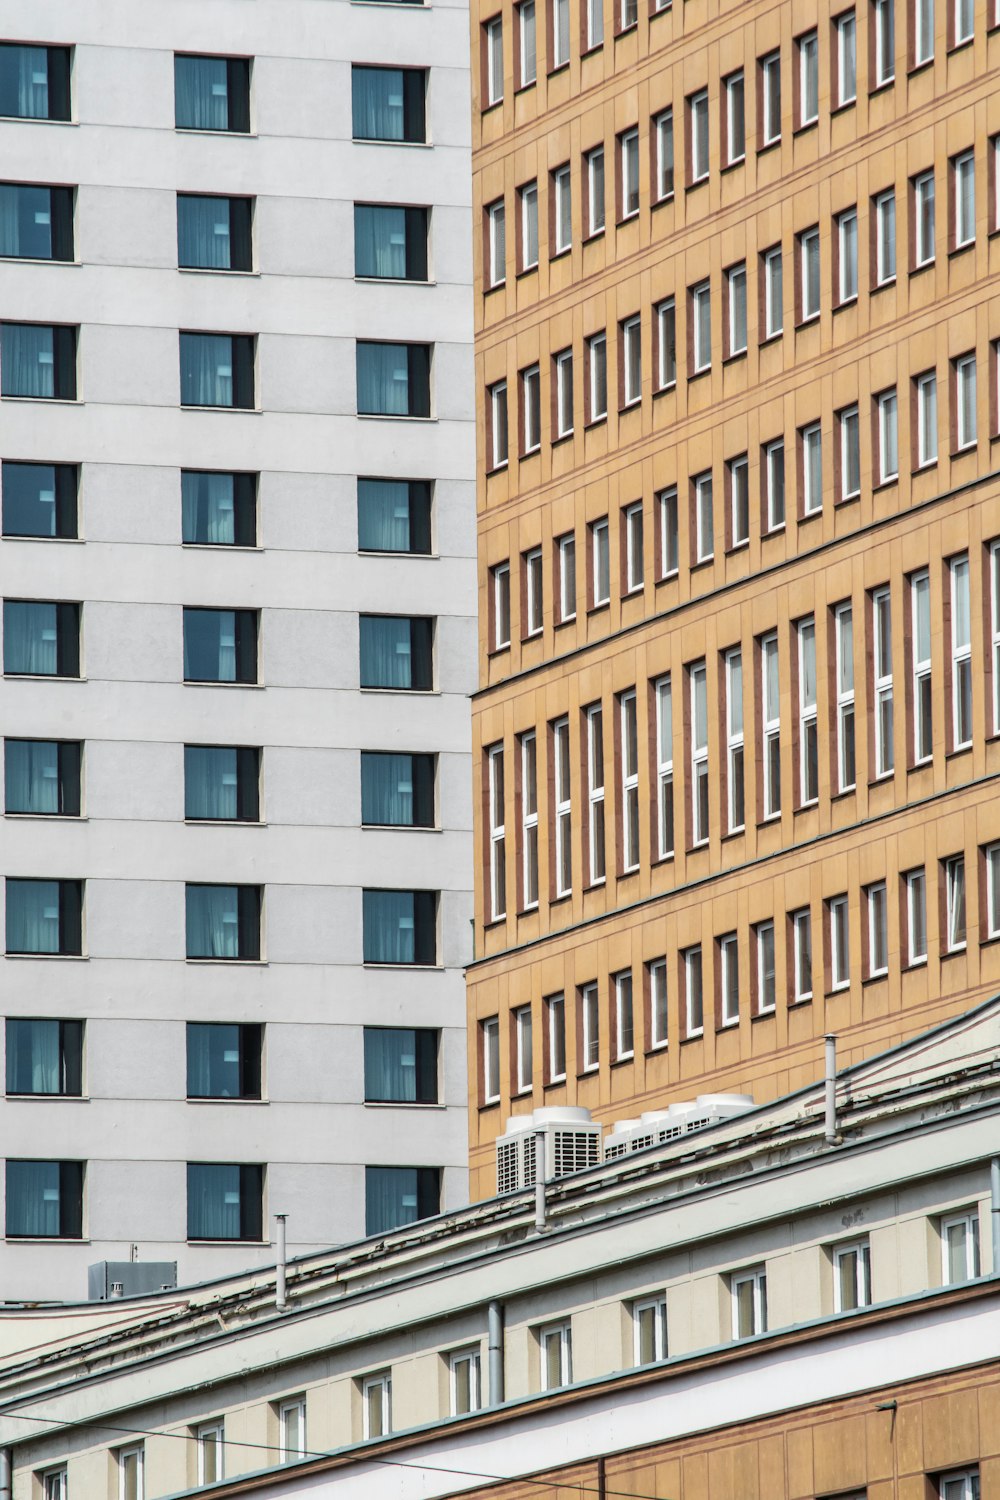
738 731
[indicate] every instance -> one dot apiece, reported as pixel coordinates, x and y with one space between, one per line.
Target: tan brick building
736 739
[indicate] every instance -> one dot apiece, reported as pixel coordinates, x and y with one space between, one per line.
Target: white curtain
389 928
30 638
384 515
213 1202
379 241
210 782
201 93
377 104
24 82
213 928
31 776
27 360
206 369
33 1198
390 1065
208 505
33 1057
203 237
387 789
390 1198
32 916
383 380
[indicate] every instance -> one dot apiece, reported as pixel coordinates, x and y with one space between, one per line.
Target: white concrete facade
134 1127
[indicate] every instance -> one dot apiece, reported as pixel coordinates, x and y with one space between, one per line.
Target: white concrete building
237 565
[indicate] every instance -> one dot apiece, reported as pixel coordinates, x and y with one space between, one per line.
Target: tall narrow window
749 1292
770 724
528 66
960 1262
699 754
704 520
500 580
562 203
628 149
888 437
669 541
992 857
292 1430
965 402
885 238
590 1027
376 1397
664 767
531 416
843 625
808 729
594 166
923 219
629 781
770 98
628 14
597 377
954 890
849 424
700 302
764 943
840 965
624 1027
961 653
498 838
963 21
595 792
851 1277
734 740
916 917
657 971
923 736
738 473
496 243
490 1033
882 670
563 809
566 555
802 953
600 562
734 119
528 202
595 24
736 298
555 1038
847 256
809 274
522 1049
995 630
666 341
884 27
694 999
811 439
663 127
494 60
557 1356
878 932
698 136
649 1321
729 977
529 820
631 337
634 566
845 37
498 424
923 31
808 80
560 34
773 293
563 367
925 388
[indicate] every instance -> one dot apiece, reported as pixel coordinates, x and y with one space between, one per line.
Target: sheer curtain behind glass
212 921
24 82
208 504
390 1198
390 1065
30 638
377 104
383 515
200 92
32 916
27 360
206 369
213 1202
379 241
203 237
25 221
210 782
386 651
387 789
33 1057
210 645
33 1198
383 380
31 776
213 1061
389 927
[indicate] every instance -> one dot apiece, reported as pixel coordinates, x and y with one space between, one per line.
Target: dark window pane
393 380
396 652
212 93
38 360
39 500
223 921
41 639
388 104
223 1061
390 242
217 370
213 234
36 223
218 510
44 1199
401 1066
224 1201
222 783
34 82
44 1057
394 515
220 645
397 790
400 927
395 1196
42 777
44 916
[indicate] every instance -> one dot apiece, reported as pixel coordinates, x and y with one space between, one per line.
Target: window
961 653
699 754
394 380
527 51
563 366
394 515
223 1060
845 39
498 838
501 605
734 740
770 98
211 1445
736 299
224 1201
882 669
738 475
729 979
649 1323
556 1345
920 598
657 971
693 991
888 437
700 298
555 1039
884 28
965 402
531 417
498 426
217 369
218 510
590 1027
878 933
563 809
130 1473
925 388
664 768
493 39
923 219
529 820
44 1200
668 532
527 198
397 652
42 777
963 19
496 244
220 645
490 1031
851 1276
811 440
666 341
850 453
774 485
916 917
697 113
212 93
213 234
628 156
396 1196
749 1291
734 118
624 1024
34 83
663 127
764 944
634 565
45 916
843 625
771 724
562 202
39 500
808 64
594 165
885 238
808 729
464 1380
961 1485
995 630
629 781
223 921
376 1405
847 256
923 31
809 274
840 973
704 523
522 1049
36 223
954 887
41 639
44 1057
631 333
55 1484
390 243
389 104
595 24
802 954
222 783
600 562
38 361
772 278
597 377
399 927
401 1066
629 14
292 1430
960 1249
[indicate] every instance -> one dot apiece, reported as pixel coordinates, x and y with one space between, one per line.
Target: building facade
735 742
236 433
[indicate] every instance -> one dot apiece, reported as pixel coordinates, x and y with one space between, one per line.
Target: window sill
560 253
885 484
493 652
699 374
661 202
880 87
878 978
798 1000
525 911
488 108
410 692
845 303
771 338
805 126
52 1098
656 1049
233 1241
734 358
883 286
371 551
927 265
763 1015
596 885
531 452
626 30
693 1036
627 219
561 899
808 322
531 270
489 1104
249 411
957 250
810 515
595 609
619 1062
839 989
16 536
407 968
766 146
390 827
958 751
522 88
960 46
30 817
954 952
219 547
924 468
964 451
197 1099
407 1104
699 182
566 620
913 964
562 437
732 1022
216 271
188 682
36 120
62 958
43 400
633 405
665 390
388 416
730 166
225 822
839 109
591 1072
382 280
235 963
594 234
360 140
593 422
498 469
847 791
46 1239
848 499
496 286
248 135
39 260
554 1083
40 677
557 68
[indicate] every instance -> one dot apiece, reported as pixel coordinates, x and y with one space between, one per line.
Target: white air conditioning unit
572 1143
657 1127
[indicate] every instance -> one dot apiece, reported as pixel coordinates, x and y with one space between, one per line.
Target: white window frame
529 819
596 211
491 1059
473 1359
55 1483
812 469
214 1433
802 953
961 652
694 991
884 26
924 219
560 33
600 549
566 546
847 256
739 500
629 748
701 327
595 793
597 372
920 625
807 58
628 147
590 1020
494 61
663 126
595 24
527 197
704 518
736 289
697 117
498 425
887 408
736 126
138 1452
840 942
498 835
564 1334
773 293
729 979
562 197
849 422
991 855
666 338
843 617
757 1278
563 808
927 420
555 1028
496 218
885 757
959 1484
669 532
956 934
774 484
563 362
885 238
534 603
995 629
735 759
634 548
770 726
531 409
655 1309
770 81
845 27
632 360
628 14
809 274
963 168
523 1049
805 633
287 1454
764 943
658 1015
624 1016
877 905
963 22
501 605
916 917
700 796
969 1222
860 1250
966 424
664 767
923 32
528 39
383 1382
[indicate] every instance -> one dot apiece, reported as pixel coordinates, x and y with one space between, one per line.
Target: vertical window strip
595 792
